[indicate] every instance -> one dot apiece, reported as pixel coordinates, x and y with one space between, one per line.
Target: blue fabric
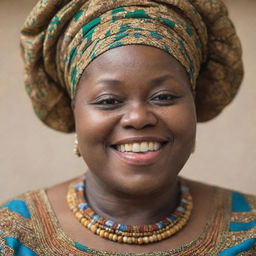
241 226
239 203
18 206
81 247
18 247
239 248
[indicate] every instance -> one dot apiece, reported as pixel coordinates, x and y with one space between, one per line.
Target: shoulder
17 225
241 224
240 201
243 214
236 201
231 202
15 214
235 220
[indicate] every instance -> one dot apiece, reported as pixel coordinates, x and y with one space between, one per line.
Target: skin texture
124 192
128 92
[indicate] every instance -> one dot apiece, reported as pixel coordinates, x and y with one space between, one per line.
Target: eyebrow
159 80
154 81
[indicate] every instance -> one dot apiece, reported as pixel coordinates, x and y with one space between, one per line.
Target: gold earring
76 149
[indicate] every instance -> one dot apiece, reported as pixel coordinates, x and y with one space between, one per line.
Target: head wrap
60 38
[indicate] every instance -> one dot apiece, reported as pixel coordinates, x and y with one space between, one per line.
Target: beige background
34 156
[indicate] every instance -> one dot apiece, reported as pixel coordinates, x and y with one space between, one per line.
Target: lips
139 150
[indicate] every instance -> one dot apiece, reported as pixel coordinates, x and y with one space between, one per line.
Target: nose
138 117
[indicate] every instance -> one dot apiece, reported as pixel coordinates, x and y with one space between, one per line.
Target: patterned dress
29 227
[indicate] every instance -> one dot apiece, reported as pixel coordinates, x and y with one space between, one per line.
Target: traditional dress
29 227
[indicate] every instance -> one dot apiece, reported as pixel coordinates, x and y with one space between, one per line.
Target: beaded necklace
129 234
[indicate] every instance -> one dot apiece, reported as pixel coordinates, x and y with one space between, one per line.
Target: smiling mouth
139 147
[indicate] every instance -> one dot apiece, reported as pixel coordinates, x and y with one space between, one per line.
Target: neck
130 209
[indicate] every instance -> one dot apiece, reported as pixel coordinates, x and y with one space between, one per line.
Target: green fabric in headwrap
60 39
133 25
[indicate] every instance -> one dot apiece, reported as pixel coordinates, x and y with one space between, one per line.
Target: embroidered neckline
60 233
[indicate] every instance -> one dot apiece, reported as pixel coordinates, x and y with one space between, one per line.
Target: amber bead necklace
129 234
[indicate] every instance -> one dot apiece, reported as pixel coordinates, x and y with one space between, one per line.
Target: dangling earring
76 149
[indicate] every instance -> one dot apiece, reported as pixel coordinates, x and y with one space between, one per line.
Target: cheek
182 125
182 122
187 121
93 127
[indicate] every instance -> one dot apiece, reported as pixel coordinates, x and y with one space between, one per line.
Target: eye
164 98
107 102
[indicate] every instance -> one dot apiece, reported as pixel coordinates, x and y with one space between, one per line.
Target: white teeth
156 146
151 146
135 147
139 147
128 147
122 148
144 147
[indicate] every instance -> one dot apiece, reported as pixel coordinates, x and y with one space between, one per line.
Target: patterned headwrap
60 38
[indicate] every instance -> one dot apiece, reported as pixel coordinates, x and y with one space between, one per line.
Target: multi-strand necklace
129 234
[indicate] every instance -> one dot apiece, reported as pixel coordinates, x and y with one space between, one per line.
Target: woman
132 78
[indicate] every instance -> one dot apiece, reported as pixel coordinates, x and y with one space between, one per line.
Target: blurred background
33 156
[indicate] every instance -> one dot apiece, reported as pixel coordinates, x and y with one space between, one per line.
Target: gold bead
182 222
155 238
78 215
175 229
106 234
163 235
129 240
189 207
172 231
74 210
186 216
140 240
98 231
86 223
178 226
159 238
114 238
146 240
83 220
93 228
110 236
125 238
168 233
119 239
102 233
151 239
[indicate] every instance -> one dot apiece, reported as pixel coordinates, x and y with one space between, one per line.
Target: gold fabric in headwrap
60 39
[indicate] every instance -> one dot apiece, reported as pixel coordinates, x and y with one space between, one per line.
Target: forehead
135 58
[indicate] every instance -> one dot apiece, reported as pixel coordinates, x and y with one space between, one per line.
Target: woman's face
135 119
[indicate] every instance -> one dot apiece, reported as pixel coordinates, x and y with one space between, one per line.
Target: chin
141 184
